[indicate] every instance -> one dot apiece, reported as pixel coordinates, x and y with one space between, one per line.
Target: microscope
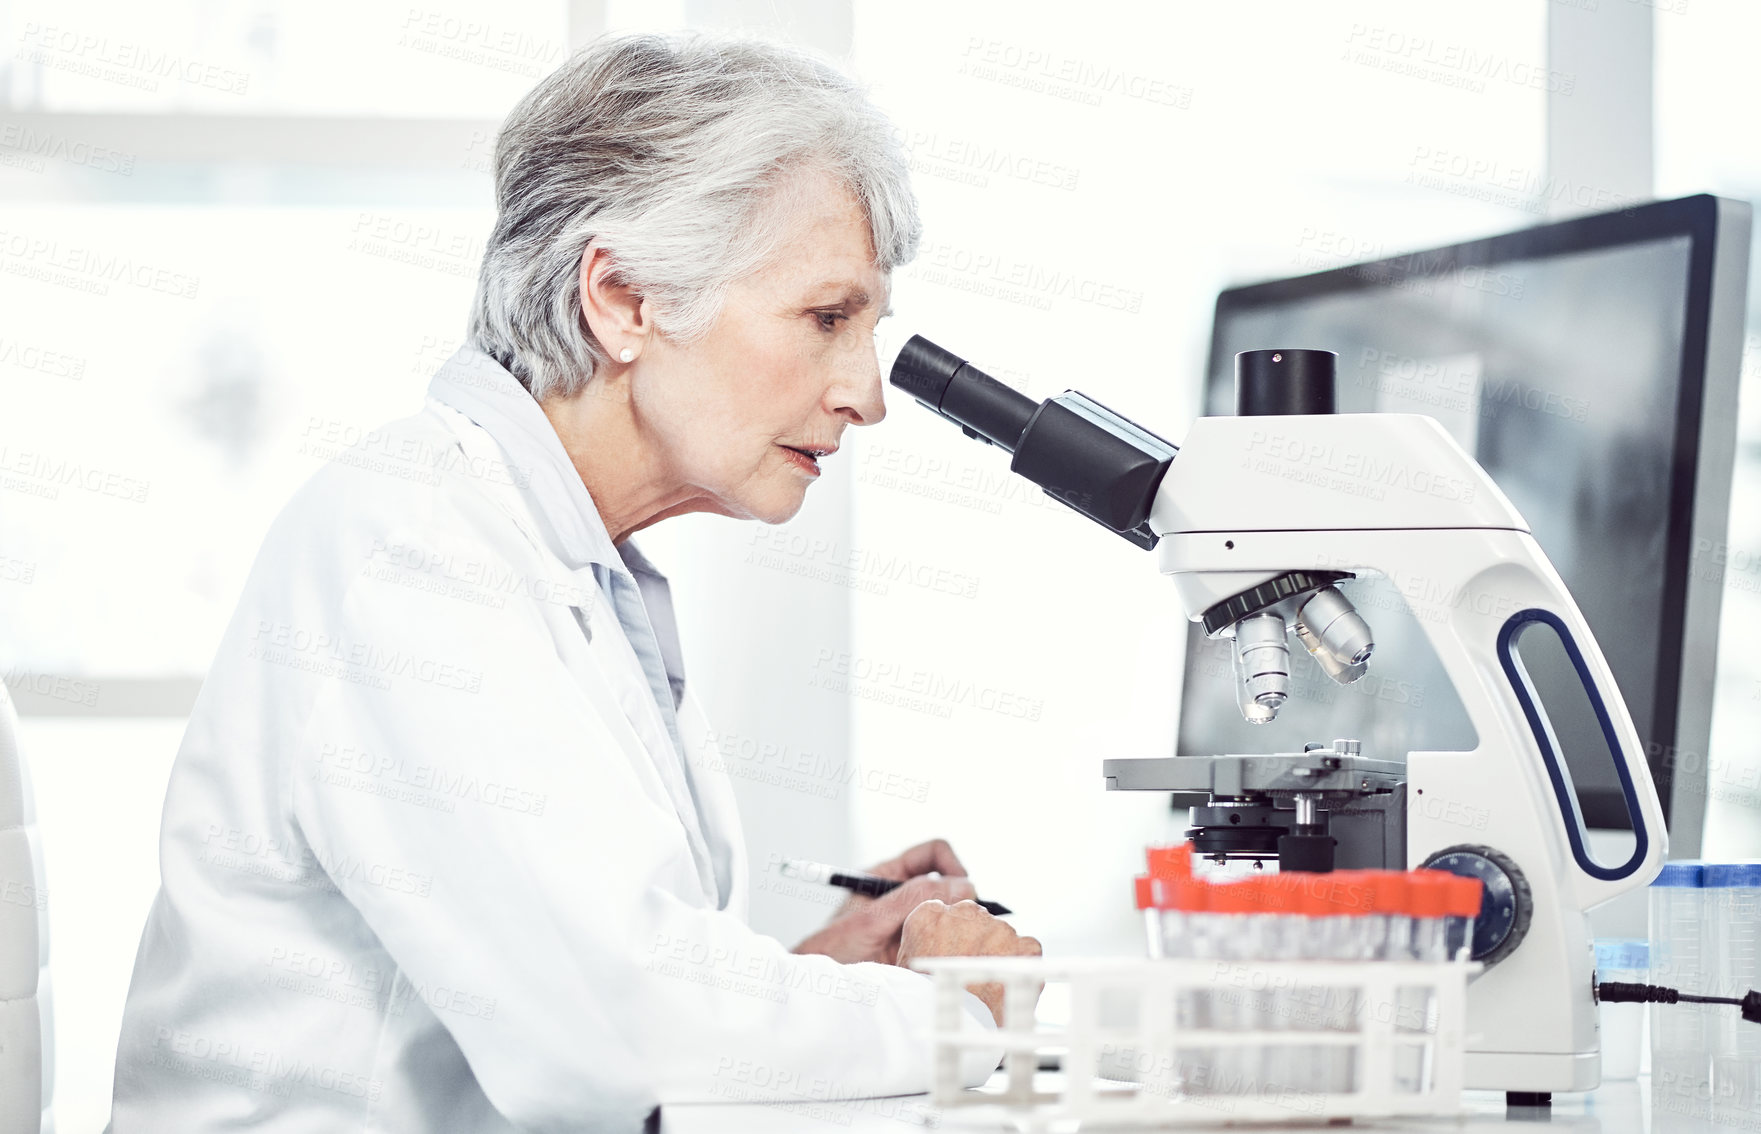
1263 520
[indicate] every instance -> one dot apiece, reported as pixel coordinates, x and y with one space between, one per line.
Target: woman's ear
616 313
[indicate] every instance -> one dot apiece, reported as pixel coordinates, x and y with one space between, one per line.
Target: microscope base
1530 1072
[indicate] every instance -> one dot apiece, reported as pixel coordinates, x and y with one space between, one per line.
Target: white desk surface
1617 1107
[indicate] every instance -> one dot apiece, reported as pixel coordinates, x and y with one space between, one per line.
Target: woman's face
789 365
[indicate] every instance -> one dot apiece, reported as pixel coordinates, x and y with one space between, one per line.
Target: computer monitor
1591 367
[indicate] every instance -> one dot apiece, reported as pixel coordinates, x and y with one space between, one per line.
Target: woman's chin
781 506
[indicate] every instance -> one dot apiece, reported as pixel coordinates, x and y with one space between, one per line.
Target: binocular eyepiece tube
979 404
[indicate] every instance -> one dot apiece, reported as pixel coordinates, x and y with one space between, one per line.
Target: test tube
1170 869
1152 916
1428 894
1375 901
1465 898
1733 893
1286 1066
1392 941
1195 1063
1324 929
1431 893
1389 922
1239 921
1681 1063
1169 897
1338 932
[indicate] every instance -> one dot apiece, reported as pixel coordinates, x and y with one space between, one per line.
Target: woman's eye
828 320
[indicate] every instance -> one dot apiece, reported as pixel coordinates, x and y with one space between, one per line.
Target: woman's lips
800 460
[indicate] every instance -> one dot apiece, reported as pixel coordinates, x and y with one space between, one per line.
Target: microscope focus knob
1508 903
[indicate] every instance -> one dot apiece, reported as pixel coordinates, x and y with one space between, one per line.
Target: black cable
1619 992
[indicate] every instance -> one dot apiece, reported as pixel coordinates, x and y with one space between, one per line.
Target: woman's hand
964 930
868 929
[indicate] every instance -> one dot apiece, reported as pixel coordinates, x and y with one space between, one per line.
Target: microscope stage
1237 776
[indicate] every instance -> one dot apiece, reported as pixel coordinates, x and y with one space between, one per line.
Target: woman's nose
855 391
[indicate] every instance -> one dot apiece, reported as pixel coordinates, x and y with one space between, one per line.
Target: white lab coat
429 858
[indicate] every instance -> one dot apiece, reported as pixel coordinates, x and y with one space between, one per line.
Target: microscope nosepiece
1262 661
1337 628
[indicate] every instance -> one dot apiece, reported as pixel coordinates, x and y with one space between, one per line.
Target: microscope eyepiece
1084 455
924 370
961 392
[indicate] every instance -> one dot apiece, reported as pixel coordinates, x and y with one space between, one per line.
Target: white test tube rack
1093 1052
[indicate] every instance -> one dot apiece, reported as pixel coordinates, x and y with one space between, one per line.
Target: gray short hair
671 150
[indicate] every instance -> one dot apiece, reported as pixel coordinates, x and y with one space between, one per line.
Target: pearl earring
626 355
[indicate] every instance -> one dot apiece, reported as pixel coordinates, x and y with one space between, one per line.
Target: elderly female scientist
441 849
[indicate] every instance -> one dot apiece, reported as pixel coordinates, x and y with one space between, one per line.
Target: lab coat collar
482 389
474 384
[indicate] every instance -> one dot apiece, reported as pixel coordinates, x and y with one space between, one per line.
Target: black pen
858 882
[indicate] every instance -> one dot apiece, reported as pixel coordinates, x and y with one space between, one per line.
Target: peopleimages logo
1065 76
1460 389
919 689
1362 474
974 162
1452 64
